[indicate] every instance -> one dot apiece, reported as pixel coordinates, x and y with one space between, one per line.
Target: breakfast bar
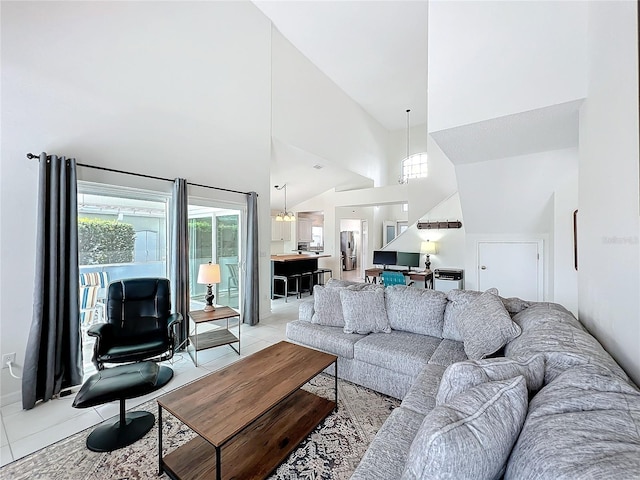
294 273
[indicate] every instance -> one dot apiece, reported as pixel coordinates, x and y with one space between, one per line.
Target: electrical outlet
8 358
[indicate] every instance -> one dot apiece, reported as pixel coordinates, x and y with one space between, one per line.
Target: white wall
311 113
564 278
451 242
494 59
161 88
608 223
514 195
524 198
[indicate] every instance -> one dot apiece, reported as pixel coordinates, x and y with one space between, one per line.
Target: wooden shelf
257 450
213 338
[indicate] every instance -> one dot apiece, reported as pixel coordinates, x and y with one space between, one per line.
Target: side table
212 338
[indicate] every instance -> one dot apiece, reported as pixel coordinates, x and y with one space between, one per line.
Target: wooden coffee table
248 416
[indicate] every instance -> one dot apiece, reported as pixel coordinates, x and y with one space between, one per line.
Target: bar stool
306 275
320 275
297 278
285 281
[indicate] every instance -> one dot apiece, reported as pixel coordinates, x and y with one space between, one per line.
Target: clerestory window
414 166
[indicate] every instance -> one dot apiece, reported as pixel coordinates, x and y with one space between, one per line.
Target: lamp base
209 299
427 263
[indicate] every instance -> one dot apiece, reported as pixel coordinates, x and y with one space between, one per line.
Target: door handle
482 267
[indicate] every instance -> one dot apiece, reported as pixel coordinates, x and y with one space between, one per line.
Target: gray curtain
251 310
53 360
180 256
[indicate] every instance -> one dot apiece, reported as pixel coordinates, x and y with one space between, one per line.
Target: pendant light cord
408 132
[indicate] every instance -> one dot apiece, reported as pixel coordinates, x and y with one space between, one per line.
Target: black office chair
140 325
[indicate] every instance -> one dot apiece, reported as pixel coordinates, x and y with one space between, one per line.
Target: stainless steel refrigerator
348 249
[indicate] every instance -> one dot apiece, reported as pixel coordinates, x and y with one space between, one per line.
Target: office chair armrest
173 320
100 330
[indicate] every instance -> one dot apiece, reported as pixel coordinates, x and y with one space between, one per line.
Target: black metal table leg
160 469
218 466
335 371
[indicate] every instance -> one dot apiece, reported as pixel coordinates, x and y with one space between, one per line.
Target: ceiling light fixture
412 166
284 216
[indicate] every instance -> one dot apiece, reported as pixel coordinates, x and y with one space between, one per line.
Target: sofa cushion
364 311
328 339
327 308
514 304
416 310
470 437
584 424
448 353
464 375
458 300
551 329
486 326
421 397
400 352
305 309
386 456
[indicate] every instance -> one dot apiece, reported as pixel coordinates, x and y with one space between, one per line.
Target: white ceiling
548 128
376 51
491 63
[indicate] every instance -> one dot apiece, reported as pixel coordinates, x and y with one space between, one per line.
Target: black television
384 257
408 259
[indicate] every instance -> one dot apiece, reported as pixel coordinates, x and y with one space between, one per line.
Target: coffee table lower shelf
257 450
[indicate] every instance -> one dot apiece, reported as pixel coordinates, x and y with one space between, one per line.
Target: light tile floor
26 431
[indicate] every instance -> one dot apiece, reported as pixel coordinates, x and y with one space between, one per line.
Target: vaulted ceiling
505 78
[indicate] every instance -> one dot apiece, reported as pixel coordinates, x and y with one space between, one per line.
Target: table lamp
208 274
428 248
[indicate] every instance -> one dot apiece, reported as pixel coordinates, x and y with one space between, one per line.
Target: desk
371 276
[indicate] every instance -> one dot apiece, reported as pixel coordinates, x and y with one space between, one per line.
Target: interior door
514 268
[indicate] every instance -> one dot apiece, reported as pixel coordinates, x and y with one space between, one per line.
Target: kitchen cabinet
304 230
280 231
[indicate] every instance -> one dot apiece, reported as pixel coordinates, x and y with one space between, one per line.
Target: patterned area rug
332 451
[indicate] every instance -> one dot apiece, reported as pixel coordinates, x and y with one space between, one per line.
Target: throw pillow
364 311
514 304
486 326
415 310
458 301
327 309
462 376
470 437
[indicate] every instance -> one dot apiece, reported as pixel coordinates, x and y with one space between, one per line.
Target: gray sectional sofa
490 387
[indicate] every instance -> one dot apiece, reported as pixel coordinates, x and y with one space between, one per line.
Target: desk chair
392 278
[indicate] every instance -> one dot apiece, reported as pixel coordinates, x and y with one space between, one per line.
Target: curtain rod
31 156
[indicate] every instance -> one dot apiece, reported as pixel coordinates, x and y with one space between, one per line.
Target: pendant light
413 165
284 216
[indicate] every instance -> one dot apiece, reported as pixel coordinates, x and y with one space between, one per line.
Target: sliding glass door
214 236
122 233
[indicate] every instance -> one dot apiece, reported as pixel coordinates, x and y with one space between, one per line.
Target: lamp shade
209 273
429 248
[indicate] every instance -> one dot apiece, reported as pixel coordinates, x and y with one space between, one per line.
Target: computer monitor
408 259
384 257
